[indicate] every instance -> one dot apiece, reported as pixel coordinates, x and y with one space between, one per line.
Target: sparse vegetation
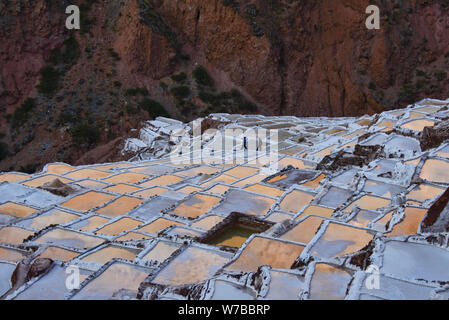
180 77
85 133
154 108
137 91
49 82
22 113
181 92
202 77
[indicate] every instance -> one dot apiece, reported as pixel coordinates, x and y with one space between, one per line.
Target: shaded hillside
73 97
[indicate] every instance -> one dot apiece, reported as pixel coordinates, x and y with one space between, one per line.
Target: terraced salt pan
116 277
191 266
418 261
262 251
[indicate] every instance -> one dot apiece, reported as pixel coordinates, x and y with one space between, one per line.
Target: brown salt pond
88 201
316 210
13 177
161 251
329 283
116 277
340 240
11 255
120 206
435 170
151 192
189 189
295 201
218 189
242 172
196 206
425 192
70 239
410 223
59 254
40 181
127 177
191 266
119 226
368 203
164 180
262 251
122 188
14 235
304 231
89 224
44 220
106 254
418 125
16 210
132 236
87 174
207 223
158 225
266 190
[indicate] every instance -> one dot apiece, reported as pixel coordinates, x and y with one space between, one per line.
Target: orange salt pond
127 177
196 206
119 226
261 251
16 210
164 180
151 192
418 125
60 254
368 203
122 188
316 210
44 220
70 239
266 190
207 223
191 266
87 174
158 225
304 231
40 181
435 170
120 206
340 240
161 251
295 201
14 235
88 201
409 224
106 254
13 177
425 192
90 223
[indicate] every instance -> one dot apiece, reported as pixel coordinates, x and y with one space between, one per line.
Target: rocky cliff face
133 60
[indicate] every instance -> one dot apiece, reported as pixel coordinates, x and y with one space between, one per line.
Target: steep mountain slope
136 59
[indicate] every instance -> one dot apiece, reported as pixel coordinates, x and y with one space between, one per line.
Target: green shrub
22 113
181 92
154 108
114 54
29 168
4 151
137 91
202 77
85 133
49 82
180 77
440 76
